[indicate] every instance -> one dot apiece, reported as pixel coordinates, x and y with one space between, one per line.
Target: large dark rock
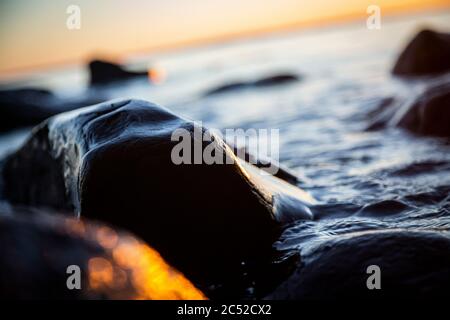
427 54
38 249
413 264
104 72
28 107
113 162
428 114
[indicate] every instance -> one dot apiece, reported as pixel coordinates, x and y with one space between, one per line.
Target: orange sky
34 33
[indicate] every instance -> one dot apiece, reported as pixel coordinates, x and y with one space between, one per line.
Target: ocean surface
362 180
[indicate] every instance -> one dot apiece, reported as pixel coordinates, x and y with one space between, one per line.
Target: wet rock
427 114
104 72
274 80
427 54
430 114
38 249
28 106
113 162
413 264
383 208
266 164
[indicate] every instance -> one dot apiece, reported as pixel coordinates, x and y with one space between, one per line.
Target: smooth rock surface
112 162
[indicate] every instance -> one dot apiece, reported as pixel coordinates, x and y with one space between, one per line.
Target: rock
275 80
427 114
28 107
430 113
427 54
104 72
112 162
229 87
383 208
413 264
266 164
38 249
278 79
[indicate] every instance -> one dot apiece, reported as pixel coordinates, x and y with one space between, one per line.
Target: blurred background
33 35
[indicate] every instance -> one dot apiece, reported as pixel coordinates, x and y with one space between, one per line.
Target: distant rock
112 162
428 114
229 87
41 253
275 80
427 54
412 265
28 106
104 72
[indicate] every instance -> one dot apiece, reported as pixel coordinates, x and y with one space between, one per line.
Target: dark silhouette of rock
274 80
229 87
28 107
113 162
104 72
413 264
428 114
42 253
427 54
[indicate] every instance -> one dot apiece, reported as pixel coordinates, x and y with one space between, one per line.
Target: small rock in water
276 80
279 79
427 54
104 72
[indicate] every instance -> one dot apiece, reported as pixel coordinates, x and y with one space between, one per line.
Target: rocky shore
209 228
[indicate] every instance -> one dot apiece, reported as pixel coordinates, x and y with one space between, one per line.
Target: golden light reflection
127 268
107 237
156 75
100 273
151 276
137 270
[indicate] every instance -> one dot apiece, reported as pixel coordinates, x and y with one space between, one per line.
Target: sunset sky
34 33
